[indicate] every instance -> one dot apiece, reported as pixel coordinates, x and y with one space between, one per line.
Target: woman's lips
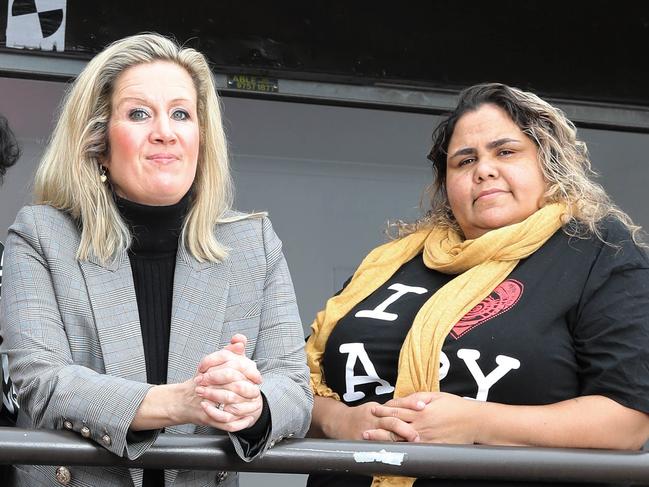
488 194
162 158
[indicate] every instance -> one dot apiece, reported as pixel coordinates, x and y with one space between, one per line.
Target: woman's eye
464 162
138 114
505 152
180 115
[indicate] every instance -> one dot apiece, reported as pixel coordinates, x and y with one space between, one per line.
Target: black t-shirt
570 320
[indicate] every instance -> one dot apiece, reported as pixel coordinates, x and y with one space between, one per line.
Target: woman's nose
162 131
485 168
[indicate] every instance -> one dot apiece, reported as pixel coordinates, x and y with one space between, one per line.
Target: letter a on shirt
356 351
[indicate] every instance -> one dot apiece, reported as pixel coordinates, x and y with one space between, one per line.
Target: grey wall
31 108
330 178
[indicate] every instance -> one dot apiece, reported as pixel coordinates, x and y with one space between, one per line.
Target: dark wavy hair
9 148
564 160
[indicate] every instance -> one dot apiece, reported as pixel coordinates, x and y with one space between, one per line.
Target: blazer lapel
199 300
114 305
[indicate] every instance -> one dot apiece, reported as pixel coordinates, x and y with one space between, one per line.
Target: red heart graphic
500 300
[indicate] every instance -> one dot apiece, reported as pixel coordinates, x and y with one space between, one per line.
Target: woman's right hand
226 377
196 409
229 379
339 421
174 404
169 405
355 420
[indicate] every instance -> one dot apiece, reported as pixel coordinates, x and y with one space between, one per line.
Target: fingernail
417 439
200 391
366 435
421 404
198 379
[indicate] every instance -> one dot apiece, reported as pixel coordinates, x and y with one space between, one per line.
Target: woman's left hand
438 417
229 384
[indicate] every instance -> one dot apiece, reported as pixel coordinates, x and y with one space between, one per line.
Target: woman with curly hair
516 312
9 148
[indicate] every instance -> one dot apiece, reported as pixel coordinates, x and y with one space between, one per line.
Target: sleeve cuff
254 438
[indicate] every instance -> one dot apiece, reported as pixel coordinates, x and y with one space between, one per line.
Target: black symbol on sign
50 20
23 7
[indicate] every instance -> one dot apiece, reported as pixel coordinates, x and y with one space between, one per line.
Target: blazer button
67 425
221 476
106 439
85 432
63 475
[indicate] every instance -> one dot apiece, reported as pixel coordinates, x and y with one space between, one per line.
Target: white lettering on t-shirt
444 365
379 313
357 351
505 364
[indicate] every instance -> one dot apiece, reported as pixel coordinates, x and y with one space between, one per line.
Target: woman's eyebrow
465 151
498 142
138 99
131 99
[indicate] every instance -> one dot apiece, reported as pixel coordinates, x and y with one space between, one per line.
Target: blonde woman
515 313
138 300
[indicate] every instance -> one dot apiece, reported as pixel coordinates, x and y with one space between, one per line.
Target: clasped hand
430 417
227 385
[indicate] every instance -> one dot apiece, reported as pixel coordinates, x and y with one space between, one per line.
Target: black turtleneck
155 230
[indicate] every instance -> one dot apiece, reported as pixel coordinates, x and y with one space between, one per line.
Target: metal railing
319 456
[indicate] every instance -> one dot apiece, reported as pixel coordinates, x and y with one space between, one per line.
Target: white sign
36 24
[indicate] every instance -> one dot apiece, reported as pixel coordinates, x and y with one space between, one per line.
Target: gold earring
102 174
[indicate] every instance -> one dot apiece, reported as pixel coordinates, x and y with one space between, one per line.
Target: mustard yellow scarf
480 265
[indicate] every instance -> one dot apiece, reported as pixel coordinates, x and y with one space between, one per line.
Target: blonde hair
68 177
564 162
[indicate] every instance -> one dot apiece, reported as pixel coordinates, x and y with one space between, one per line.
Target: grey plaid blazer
71 331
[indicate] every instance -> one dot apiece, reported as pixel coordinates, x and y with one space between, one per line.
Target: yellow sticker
252 83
